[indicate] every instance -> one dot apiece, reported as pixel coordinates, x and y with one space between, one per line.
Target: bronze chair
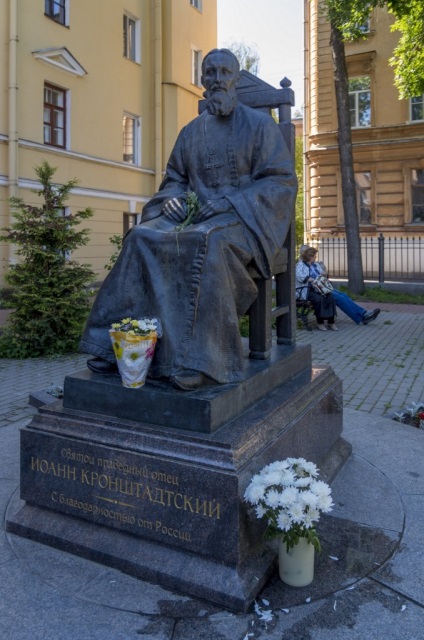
257 94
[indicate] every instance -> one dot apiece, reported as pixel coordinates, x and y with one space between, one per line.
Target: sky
275 29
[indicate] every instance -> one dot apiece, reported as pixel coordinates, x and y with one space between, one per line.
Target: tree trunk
353 242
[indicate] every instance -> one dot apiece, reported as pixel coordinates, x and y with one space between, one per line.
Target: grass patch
380 294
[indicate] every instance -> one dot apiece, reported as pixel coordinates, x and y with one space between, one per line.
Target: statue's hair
227 52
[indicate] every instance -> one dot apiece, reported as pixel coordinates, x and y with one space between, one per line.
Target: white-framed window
55 116
131 139
129 221
417 108
57 10
196 67
365 26
363 196
197 4
360 101
417 195
131 37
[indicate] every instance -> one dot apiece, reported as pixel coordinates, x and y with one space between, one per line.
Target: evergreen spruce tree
50 295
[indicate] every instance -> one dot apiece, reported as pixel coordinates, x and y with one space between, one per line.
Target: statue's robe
197 281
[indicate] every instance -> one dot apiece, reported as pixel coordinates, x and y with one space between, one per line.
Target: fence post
381 258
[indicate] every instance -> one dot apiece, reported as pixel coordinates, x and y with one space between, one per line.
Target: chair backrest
257 94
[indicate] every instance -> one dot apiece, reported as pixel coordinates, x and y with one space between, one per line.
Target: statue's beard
220 102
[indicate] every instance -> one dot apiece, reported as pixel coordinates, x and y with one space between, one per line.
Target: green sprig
193 206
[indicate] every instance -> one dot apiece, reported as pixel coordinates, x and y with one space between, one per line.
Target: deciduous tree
247 56
346 18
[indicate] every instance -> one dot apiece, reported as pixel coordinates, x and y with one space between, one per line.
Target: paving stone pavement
381 364
369 581
19 378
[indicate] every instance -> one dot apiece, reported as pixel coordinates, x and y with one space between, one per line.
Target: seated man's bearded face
220 76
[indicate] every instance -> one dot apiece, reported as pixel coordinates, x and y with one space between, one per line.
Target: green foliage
244 326
247 56
116 240
292 537
6 299
349 16
408 57
193 207
50 298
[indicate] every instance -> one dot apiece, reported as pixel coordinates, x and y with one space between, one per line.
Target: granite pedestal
106 474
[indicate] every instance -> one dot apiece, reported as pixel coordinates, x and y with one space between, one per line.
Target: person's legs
324 307
321 325
332 324
348 306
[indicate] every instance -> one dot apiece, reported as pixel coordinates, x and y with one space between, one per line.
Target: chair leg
285 294
260 329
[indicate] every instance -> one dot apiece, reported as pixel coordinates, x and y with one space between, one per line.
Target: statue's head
220 74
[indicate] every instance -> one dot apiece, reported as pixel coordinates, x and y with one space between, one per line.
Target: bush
116 240
50 298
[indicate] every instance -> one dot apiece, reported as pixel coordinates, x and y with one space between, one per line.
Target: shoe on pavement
322 327
369 316
332 327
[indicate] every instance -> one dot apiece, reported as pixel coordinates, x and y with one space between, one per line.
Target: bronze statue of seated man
196 280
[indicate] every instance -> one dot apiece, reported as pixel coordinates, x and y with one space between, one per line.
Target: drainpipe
13 115
306 124
158 92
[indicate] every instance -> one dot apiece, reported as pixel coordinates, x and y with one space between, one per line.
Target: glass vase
297 564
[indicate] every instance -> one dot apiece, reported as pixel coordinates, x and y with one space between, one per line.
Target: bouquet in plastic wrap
134 343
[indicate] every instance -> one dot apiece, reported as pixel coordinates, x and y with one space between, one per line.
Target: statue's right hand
175 210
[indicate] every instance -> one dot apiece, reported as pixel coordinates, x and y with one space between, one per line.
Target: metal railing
383 259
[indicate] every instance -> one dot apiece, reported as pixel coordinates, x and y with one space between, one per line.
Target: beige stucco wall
4 62
113 85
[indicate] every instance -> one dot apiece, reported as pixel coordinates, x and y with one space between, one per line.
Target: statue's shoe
187 380
98 365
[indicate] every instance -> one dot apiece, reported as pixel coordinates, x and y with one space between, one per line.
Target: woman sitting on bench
324 305
354 311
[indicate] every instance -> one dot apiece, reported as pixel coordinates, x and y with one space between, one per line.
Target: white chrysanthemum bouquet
289 495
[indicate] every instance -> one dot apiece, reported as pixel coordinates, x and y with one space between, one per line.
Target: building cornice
33 185
47 150
371 136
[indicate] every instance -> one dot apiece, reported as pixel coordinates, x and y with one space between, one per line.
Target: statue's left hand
212 208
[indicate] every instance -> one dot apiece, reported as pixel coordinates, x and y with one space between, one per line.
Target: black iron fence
383 259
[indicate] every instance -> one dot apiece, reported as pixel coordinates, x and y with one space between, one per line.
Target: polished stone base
167 504
203 410
230 586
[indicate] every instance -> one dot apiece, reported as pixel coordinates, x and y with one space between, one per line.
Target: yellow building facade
99 89
387 135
